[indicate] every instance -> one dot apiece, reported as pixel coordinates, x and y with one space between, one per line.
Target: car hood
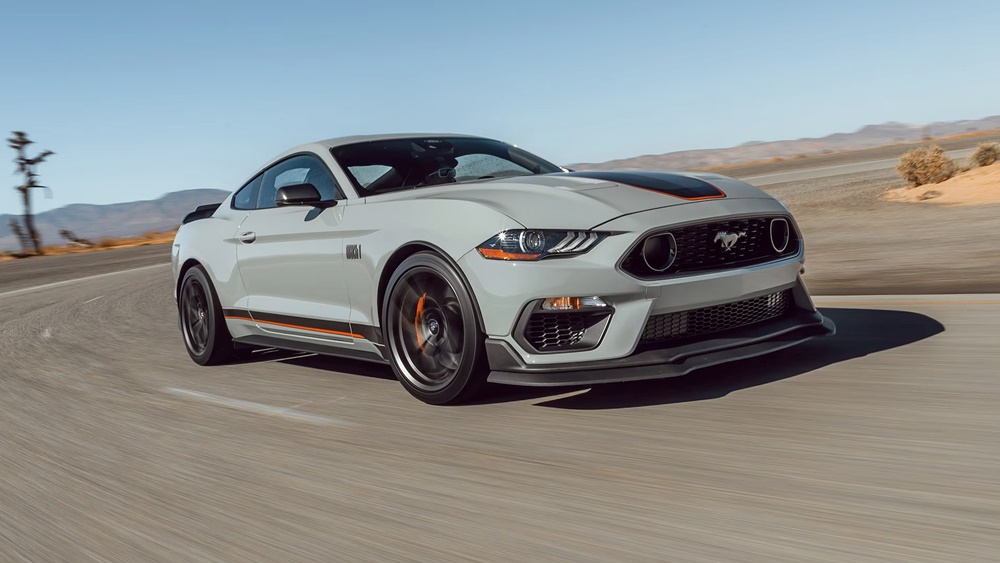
584 200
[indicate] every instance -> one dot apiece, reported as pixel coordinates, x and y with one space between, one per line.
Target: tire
432 333
203 327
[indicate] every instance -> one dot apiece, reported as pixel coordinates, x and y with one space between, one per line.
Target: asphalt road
55 269
879 444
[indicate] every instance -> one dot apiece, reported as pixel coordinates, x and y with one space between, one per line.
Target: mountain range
867 137
114 220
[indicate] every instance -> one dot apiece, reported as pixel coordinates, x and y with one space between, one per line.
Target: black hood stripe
676 185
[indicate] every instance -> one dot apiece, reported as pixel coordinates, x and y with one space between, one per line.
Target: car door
291 257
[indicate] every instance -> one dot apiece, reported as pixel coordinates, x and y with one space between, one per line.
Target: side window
246 198
296 170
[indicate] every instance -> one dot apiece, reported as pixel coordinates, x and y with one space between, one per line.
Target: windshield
380 166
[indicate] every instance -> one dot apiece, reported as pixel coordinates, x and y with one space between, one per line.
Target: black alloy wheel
206 337
435 345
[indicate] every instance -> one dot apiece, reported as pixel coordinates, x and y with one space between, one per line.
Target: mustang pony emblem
727 239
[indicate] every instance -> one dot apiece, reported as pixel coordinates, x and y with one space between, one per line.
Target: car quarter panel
212 243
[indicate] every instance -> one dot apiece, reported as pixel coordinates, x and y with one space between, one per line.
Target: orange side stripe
337 332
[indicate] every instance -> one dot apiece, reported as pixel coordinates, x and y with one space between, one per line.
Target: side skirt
314 348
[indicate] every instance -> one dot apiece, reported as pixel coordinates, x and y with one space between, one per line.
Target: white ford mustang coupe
459 260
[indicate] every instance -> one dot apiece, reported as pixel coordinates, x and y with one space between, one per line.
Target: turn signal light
500 254
572 303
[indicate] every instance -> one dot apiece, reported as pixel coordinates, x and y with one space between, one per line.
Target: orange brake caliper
416 320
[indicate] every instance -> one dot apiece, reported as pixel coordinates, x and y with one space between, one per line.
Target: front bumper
507 291
508 368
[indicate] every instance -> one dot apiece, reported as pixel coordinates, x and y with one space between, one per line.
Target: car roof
341 141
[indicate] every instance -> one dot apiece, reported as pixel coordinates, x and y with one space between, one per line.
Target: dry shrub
926 165
150 237
984 155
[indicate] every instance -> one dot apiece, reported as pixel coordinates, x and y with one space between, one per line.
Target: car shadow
860 332
494 393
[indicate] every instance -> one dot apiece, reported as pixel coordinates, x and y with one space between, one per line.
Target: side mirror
300 194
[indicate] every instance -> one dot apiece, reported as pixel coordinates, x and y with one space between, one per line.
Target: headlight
532 244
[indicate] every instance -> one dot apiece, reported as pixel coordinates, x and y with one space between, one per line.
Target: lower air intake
718 318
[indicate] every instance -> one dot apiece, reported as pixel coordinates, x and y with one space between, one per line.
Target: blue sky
143 98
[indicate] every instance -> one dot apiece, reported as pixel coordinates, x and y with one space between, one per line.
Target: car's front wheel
429 319
206 336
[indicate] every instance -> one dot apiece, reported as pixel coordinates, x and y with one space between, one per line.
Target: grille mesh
697 248
549 332
670 326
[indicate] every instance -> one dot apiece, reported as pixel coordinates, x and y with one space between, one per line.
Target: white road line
94 299
78 280
258 408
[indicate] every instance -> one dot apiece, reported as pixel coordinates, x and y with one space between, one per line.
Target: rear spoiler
201 212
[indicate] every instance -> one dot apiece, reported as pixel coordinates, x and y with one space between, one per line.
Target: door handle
247 237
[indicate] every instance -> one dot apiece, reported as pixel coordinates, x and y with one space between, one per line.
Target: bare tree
22 237
26 166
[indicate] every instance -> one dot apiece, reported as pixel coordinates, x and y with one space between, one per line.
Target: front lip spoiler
507 367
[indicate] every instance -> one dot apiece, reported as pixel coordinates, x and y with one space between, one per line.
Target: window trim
232 201
339 194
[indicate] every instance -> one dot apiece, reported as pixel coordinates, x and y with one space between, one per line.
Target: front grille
683 324
555 331
698 248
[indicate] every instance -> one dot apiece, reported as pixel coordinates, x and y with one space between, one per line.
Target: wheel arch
187 265
409 249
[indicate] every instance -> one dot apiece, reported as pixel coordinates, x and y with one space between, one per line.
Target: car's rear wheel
435 345
206 337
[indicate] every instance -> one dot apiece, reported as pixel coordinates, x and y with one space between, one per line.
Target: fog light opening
572 303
